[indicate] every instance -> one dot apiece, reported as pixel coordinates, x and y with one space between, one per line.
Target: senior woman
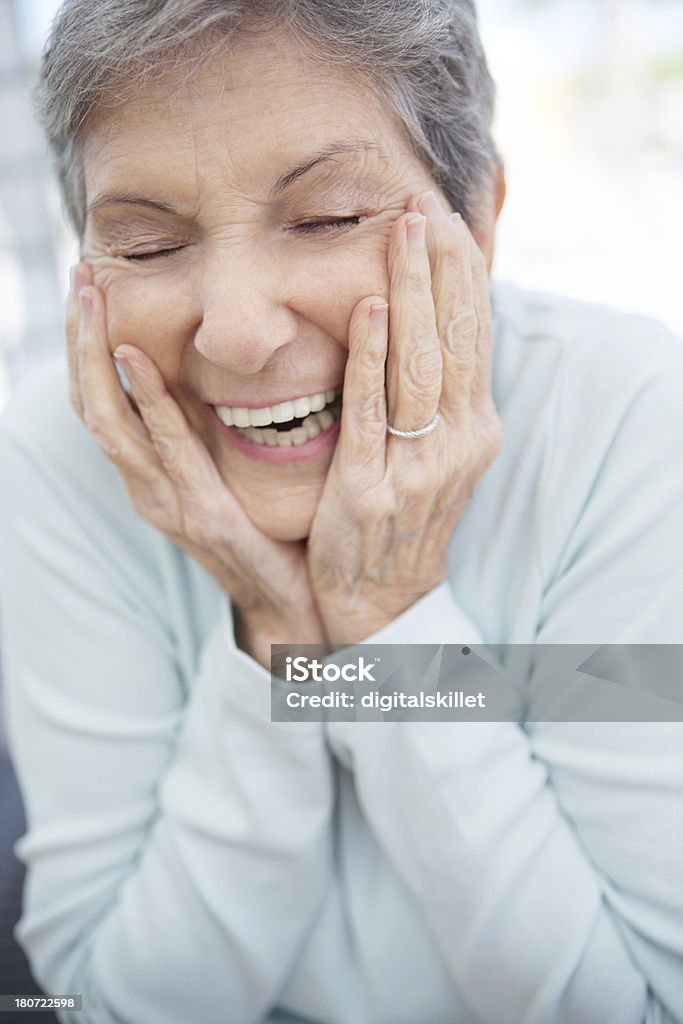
286 215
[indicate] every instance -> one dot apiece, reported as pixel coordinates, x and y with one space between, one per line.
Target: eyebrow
131 199
323 156
283 182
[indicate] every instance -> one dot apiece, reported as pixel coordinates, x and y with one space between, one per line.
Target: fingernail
122 355
85 303
122 360
431 207
123 370
416 230
378 315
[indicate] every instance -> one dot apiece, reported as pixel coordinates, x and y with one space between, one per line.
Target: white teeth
225 415
310 428
270 436
298 435
240 417
260 417
255 435
298 408
302 407
282 412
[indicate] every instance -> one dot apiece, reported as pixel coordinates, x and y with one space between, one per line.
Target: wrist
348 623
255 632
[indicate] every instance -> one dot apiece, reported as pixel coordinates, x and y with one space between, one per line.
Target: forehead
247 111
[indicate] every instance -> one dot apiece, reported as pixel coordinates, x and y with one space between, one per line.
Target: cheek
154 314
327 288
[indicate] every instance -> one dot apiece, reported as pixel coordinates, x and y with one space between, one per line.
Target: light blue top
190 862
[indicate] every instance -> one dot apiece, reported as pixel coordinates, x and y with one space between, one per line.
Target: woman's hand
173 482
380 536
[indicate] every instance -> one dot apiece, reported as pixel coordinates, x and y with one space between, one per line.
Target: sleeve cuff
248 685
435 619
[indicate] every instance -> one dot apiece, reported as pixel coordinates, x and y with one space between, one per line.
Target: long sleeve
178 843
547 860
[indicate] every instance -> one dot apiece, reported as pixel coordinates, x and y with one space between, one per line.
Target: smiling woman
280 249
286 216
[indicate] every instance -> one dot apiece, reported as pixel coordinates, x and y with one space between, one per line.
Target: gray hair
423 57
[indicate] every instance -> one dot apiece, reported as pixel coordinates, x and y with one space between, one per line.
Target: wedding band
422 432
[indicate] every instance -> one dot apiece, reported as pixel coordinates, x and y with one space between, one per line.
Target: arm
548 861
178 843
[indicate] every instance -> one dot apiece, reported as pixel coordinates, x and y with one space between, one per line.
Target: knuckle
419 484
169 451
204 521
453 247
371 409
109 446
196 530
107 443
416 281
365 365
462 332
200 527
423 367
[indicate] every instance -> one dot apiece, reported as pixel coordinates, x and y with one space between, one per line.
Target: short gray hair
423 57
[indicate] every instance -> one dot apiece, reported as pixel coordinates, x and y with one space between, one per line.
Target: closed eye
324 225
310 227
152 254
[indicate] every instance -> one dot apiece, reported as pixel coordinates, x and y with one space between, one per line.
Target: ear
489 209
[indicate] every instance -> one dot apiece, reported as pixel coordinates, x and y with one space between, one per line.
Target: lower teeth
310 428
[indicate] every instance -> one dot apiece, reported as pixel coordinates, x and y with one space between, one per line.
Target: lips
289 424
280 413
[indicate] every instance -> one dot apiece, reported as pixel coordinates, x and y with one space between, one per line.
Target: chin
287 531
286 522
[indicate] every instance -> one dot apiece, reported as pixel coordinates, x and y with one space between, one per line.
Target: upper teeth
299 408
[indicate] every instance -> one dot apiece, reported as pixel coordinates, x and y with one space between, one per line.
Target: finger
107 414
181 452
414 362
456 314
362 438
81 275
135 446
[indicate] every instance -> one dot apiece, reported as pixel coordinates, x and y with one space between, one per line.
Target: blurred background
590 124
589 121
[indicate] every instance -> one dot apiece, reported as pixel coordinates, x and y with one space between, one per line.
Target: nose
245 318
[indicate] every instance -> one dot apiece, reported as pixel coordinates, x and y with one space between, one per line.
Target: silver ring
422 432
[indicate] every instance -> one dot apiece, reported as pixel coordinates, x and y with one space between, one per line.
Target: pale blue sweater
190 862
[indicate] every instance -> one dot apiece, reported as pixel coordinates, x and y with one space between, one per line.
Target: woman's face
234 222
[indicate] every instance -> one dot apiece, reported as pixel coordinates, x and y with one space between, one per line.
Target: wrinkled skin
231 297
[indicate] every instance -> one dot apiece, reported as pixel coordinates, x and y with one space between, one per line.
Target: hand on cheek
173 482
380 537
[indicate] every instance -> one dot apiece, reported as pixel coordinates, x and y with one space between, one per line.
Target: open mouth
288 424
